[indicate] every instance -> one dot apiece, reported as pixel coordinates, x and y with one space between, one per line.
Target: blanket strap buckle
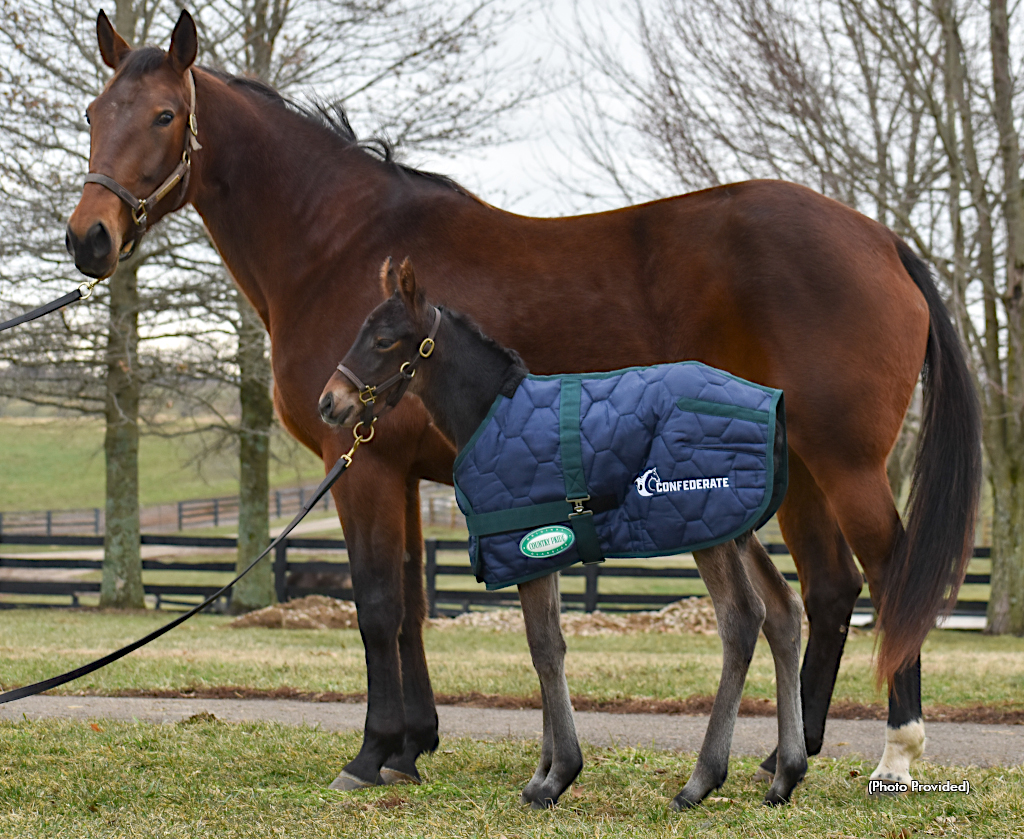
582 522
577 506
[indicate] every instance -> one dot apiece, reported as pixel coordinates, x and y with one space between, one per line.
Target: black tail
930 559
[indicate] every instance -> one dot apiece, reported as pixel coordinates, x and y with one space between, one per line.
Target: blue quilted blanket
647 461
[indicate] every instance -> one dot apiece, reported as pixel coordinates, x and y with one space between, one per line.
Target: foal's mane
329 117
517 370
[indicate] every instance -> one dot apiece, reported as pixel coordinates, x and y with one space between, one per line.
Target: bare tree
908 111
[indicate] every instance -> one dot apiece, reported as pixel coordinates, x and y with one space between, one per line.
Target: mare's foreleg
561 759
376 546
420 712
740 614
782 625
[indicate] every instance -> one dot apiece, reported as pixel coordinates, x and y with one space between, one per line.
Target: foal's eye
383 343
166 118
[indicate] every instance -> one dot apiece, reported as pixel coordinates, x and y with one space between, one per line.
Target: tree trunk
121 587
256 590
1006 602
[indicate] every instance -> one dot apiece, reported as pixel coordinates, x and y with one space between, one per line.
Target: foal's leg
561 759
374 531
420 713
782 624
830 583
740 614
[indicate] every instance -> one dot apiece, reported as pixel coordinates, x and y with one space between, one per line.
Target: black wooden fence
440 600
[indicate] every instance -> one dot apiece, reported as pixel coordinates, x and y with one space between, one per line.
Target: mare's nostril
69 244
326 404
98 240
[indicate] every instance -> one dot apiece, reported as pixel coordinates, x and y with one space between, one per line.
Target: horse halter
140 206
368 393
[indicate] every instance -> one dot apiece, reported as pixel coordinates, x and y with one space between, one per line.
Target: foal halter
140 206
368 393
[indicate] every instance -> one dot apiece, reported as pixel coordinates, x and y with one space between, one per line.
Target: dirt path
950 744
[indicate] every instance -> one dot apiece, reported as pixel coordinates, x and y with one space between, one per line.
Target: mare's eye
383 343
166 118
87 118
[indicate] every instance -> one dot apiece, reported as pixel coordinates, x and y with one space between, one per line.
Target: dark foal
465 372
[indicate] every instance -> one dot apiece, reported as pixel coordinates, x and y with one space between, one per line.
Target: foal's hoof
775 799
346 782
395 776
762 775
681 802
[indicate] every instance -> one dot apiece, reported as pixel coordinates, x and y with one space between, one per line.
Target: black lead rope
31 690
38 312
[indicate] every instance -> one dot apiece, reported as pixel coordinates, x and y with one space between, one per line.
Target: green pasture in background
964 669
204 778
54 464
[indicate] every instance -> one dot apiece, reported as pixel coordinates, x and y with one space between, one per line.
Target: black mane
331 118
517 370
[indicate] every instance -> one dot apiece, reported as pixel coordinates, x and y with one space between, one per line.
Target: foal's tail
930 559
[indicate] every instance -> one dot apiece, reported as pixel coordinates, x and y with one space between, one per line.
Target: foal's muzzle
335 414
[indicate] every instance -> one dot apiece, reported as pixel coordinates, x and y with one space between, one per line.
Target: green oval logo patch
547 541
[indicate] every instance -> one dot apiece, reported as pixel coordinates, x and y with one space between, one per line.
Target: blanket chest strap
571 452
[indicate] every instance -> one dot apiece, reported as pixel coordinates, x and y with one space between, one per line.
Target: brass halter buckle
368 395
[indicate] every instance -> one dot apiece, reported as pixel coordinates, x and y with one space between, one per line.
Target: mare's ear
414 296
184 43
388 278
113 48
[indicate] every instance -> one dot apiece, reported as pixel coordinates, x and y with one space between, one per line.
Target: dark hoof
681 802
396 776
775 799
542 804
346 782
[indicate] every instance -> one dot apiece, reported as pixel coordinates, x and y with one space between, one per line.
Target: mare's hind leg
561 759
420 713
740 613
864 504
830 583
782 624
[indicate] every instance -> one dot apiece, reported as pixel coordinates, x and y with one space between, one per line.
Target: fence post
49 522
216 512
277 502
181 505
96 521
1 525
591 572
431 550
302 497
281 570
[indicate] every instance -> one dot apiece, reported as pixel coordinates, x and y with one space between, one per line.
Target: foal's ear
113 48
184 43
413 295
388 279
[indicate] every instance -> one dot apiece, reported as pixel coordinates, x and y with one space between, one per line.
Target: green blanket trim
703 406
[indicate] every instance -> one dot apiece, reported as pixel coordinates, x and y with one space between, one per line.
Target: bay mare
458 383
765 279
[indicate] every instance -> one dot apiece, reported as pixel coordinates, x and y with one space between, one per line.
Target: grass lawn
963 669
33 451
211 779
